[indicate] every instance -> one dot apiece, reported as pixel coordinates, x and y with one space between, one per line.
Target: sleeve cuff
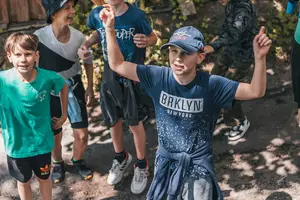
291 7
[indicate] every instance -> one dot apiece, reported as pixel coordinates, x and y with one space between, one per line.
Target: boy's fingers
262 30
261 38
264 41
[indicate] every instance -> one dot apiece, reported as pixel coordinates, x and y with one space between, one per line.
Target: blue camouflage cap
187 38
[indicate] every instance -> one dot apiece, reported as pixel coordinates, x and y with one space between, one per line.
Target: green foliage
281 27
81 18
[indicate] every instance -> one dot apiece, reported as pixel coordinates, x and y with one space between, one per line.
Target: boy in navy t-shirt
120 97
187 103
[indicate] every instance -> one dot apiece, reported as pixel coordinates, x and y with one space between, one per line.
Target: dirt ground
262 166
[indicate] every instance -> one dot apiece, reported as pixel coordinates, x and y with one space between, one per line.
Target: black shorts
79 92
295 62
121 100
21 168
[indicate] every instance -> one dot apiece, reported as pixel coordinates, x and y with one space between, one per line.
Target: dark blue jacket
170 182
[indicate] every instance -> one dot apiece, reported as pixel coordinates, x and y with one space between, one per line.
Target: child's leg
45 189
80 142
116 133
139 140
57 150
193 188
24 190
21 170
41 166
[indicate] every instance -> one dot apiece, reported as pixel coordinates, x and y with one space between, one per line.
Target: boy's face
66 14
183 63
23 60
224 2
115 2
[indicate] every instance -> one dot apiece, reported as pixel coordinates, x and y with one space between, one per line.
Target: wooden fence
19 12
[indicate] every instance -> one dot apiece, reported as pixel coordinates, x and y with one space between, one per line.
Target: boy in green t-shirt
25 114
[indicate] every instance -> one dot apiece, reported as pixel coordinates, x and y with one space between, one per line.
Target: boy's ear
201 57
37 54
8 54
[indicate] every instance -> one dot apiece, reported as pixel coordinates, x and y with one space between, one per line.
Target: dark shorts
79 93
121 100
21 168
295 62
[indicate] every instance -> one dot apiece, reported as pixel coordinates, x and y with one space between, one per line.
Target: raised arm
115 57
257 88
241 23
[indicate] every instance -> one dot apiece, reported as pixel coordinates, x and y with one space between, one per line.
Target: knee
81 136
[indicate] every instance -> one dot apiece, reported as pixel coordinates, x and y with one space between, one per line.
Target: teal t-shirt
291 7
25 112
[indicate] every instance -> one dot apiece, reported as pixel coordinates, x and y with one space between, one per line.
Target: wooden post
3 15
18 10
36 10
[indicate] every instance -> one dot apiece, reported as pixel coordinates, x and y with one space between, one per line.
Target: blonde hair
27 41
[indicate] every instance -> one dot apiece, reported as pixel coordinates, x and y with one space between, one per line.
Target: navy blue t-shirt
133 21
186 114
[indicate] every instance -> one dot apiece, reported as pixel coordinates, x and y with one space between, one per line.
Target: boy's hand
140 40
208 49
58 122
107 15
89 96
84 52
261 44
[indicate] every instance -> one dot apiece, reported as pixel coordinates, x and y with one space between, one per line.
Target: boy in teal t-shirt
25 114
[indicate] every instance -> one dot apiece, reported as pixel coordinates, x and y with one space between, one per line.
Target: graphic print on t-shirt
124 34
179 106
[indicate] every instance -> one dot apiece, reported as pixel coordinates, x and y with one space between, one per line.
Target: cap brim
181 45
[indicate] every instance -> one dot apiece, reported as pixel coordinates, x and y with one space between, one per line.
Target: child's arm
115 57
89 93
257 88
83 52
58 122
142 41
241 23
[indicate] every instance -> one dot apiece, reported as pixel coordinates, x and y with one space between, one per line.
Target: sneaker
117 170
58 172
139 181
239 131
84 171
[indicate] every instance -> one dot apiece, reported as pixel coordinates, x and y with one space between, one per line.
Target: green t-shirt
297 32
25 112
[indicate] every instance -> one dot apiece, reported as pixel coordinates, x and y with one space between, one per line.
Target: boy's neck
61 32
29 76
120 9
185 79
